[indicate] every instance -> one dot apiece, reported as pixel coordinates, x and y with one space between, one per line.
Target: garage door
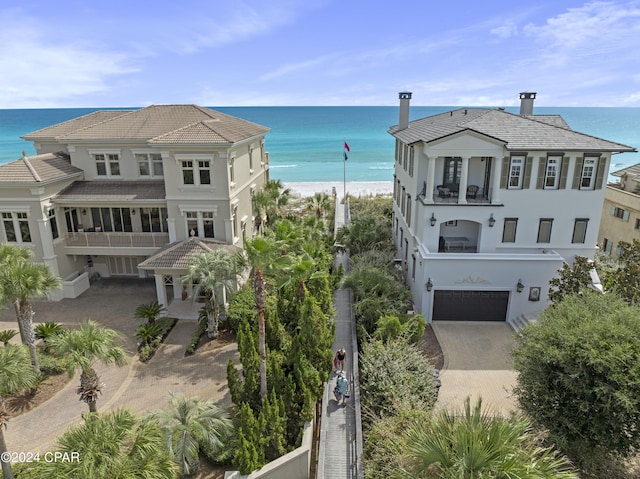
455 305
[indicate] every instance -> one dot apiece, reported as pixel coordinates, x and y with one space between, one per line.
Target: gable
465 143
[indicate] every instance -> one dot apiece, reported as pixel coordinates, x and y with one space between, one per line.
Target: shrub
578 374
149 312
395 375
201 327
242 305
154 334
7 335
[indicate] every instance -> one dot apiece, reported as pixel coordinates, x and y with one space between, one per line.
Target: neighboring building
621 212
488 205
109 190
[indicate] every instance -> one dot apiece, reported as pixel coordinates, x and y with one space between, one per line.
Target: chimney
526 102
405 96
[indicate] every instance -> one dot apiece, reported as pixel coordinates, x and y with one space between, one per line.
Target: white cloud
505 31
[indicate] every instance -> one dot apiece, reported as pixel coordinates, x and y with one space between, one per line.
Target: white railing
117 240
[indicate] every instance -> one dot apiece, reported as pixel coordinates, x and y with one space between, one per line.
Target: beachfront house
134 193
621 211
488 205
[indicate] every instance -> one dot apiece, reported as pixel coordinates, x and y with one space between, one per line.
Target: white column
431 174
161 293
171 225
464 174
496 170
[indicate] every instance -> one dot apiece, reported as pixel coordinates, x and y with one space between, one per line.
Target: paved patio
137 386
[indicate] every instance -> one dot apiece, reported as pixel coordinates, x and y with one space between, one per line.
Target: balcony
92 243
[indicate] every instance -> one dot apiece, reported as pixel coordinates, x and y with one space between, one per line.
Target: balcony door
452 170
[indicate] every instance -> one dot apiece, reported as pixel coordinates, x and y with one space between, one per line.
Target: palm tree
213 275
259 203
149 311
112 444
84 346
472 443
191 424
320 204
16 374
20 281
262 254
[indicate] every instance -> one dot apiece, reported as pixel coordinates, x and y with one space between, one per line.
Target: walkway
340 451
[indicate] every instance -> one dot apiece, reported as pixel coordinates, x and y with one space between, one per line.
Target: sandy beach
354 188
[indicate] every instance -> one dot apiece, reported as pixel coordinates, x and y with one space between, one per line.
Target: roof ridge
31 168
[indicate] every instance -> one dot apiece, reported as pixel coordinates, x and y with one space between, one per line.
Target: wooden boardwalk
340 451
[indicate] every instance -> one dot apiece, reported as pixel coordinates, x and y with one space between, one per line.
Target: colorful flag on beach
346 147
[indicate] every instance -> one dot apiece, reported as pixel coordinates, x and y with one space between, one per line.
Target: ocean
306 143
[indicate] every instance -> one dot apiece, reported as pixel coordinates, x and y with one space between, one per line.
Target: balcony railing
117 240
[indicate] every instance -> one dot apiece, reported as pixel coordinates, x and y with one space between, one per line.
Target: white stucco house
134 193
488 205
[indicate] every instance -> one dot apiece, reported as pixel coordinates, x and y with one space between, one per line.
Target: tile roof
633 171
517 132
61 129
38 169
117 191
164 124
177 255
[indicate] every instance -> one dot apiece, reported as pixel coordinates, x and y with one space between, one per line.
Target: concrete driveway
477 363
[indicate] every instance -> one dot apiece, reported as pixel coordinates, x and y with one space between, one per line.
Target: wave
380 168
282 166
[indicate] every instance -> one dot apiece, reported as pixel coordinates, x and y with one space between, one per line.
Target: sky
67 53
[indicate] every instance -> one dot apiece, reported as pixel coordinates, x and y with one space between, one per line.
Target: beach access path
340 450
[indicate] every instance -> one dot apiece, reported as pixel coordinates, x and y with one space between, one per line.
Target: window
411 160
250 160
187 172
408 210
71 218
637 226
53 223
509 231
587 178
204 168
413 266
192 223
618 250
544 230
403 197
607 245
580 230
405 155
150 164
516 172
551 175
207 224
107 164
16 227
619 213
452 170
234 221
154 220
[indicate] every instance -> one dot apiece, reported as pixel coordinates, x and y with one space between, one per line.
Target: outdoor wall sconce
84 211
133 211
429 285
433 219
519 286
492 221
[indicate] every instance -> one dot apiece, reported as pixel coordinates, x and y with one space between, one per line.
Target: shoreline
354 188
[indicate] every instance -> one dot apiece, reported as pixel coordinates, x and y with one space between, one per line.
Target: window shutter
527 172
600 175
612 211
563 172
625 215
542 168
577 173
504 173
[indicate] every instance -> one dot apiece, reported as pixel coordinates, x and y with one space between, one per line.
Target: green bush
242 305
154 334
393 376
50 364
201 327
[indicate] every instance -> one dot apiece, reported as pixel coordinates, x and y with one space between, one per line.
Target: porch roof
176 256
112 191
38 169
